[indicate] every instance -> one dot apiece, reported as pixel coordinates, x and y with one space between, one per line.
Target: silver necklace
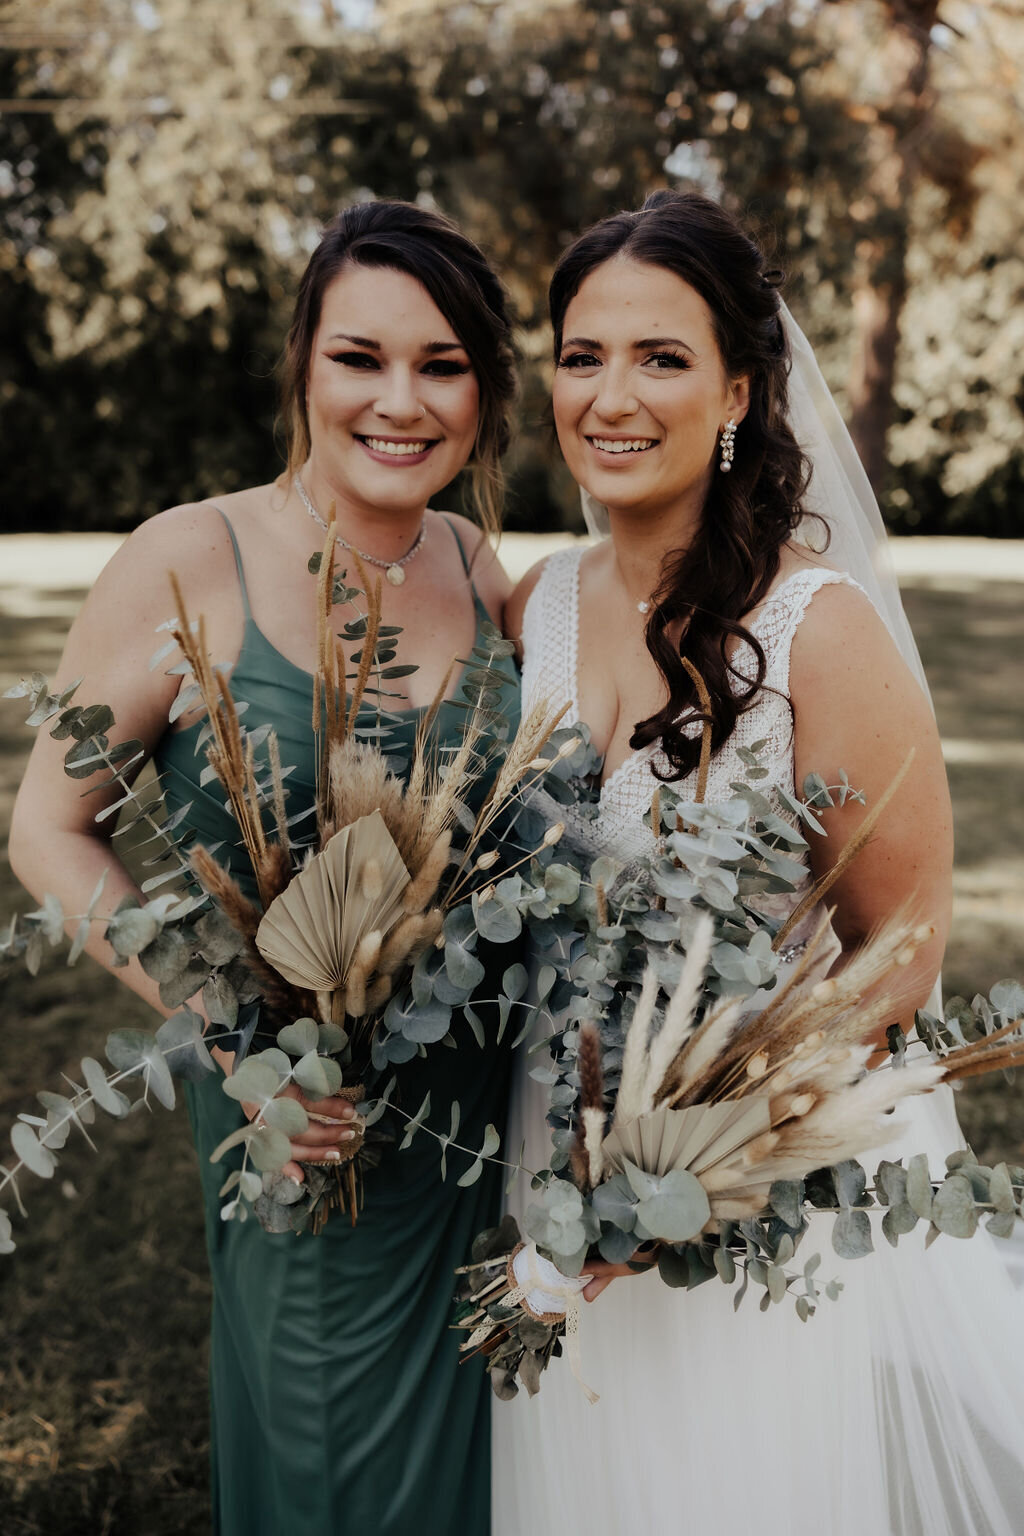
392 568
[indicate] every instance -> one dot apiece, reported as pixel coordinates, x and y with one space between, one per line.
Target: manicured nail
347 1136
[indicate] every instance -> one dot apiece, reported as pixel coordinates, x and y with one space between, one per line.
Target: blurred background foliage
165 164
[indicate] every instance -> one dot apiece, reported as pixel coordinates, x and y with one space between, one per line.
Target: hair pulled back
706 589
403 237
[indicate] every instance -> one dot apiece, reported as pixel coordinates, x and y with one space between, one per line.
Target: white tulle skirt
897 1410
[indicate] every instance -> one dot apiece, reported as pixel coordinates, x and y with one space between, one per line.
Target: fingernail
332 1155
347 1136
293 1180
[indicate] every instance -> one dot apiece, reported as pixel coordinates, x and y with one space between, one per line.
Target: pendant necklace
392 568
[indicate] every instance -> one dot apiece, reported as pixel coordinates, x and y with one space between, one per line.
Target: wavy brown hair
429 247
705 589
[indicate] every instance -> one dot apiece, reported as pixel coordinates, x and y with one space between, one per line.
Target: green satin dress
337 1400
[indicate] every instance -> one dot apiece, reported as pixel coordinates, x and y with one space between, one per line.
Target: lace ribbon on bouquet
541 1289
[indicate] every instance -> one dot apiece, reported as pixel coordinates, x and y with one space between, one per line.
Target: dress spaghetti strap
462 552
246 609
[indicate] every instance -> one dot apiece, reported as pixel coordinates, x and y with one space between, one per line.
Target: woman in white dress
899 1409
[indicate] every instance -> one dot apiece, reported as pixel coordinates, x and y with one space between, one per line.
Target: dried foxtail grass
803 1063
227 753
820 889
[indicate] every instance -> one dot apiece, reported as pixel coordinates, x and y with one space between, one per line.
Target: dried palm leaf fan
350 893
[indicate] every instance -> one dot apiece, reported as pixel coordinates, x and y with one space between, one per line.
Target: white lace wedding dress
898 1410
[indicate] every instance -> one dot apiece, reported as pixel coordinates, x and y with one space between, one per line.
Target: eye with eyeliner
445 368
579 360
666 360
355 359
435 367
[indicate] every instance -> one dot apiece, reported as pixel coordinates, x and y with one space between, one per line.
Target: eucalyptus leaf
898 1220
109 1099
919 1187
851 1234
300 1038
180 1038
415 1123
269 1150
318 1076
287 1115
678 1209
253 1082
27 1149
1001 1224
953 1209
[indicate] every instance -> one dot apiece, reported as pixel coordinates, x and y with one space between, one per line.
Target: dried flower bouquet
702 1105
349 946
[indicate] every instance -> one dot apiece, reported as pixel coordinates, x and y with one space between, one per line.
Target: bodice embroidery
550 669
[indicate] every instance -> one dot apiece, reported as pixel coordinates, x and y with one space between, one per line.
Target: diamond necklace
392 568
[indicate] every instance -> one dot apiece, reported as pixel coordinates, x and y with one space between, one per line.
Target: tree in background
156 237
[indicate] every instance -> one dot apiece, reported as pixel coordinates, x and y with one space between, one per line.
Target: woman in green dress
337 1404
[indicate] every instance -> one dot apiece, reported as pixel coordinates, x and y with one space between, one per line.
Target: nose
615 396
398 399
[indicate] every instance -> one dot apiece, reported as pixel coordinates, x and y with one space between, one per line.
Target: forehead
623 299
384 305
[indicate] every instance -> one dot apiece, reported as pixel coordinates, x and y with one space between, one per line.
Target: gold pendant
395 575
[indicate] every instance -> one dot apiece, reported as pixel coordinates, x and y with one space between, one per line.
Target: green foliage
574 111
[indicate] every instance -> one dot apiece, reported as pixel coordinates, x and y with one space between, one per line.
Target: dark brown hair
749 513
429 247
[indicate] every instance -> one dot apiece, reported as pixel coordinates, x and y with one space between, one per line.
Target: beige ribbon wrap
541 1289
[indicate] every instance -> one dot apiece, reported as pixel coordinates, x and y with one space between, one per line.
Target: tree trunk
881 285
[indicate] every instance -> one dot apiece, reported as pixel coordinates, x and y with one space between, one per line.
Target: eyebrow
432 347
647 342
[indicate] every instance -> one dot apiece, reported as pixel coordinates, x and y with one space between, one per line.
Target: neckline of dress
648 751
250 627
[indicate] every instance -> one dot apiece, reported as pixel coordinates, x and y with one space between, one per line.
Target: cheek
464 411
326 392
566 403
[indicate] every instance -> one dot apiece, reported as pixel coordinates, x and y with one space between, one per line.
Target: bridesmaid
336 1402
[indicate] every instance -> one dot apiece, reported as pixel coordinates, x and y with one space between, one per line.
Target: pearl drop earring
727 445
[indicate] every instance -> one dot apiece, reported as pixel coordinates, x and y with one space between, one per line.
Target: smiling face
392 400
641 393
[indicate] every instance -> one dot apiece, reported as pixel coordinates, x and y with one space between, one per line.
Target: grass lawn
103 1426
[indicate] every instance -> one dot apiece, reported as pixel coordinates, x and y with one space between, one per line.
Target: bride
900 1408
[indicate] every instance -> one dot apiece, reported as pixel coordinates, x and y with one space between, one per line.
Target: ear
738 398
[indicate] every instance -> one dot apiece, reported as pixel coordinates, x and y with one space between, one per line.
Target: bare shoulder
515 607
133 594
842 648
191 539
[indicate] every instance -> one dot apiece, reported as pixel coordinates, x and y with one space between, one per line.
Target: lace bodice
551 646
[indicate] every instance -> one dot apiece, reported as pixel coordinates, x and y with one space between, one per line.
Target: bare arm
857 707
56 845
